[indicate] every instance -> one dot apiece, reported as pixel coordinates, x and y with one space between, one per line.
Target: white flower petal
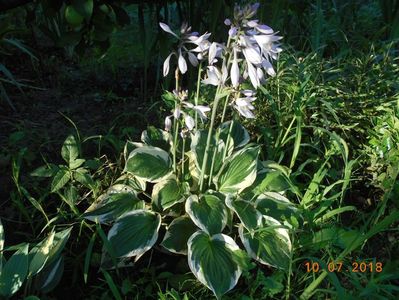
227 22
189 122
252 23
268 68
233 31
182 64
168 123
252 55
193 59
166 65
264 29
176 113
201 110
212 53
253 76
235 71
167 29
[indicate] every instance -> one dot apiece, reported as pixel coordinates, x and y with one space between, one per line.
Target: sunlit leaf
212 260
178 233
207 212
134 233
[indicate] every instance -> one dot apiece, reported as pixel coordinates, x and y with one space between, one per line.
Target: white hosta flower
244 105
186 38
254 44
189 121
235 70
215 77
168 123
201 110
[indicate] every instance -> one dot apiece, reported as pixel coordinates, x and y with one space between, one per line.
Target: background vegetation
329 119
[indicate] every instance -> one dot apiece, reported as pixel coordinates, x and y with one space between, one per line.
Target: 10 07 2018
339 266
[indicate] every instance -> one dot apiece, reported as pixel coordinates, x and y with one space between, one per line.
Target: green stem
227 140
175 146
197 93
182 159
208 140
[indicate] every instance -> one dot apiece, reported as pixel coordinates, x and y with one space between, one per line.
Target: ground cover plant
264 167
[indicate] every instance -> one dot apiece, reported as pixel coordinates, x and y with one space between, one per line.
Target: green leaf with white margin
198 146
167 193
246 212
59 242
238 172
208 212
70 149
50 276
109 207
39 254
212 260
178 233
278 207
60 179
135 183
269 180
270 244
1 244
239 134
156 137
14 272
134 233
149 163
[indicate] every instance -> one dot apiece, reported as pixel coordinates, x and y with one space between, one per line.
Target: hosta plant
201 177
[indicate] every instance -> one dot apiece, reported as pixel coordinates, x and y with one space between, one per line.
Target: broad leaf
156 137
149 163
83 7
14 272
246 212
269 245
134 233
59 242
178 233
108 207
212 259
238 133
208 212
238 172
72 16
50 276
135 183
39 255
60 179
269 180
70 149
167 193
278 207
83 176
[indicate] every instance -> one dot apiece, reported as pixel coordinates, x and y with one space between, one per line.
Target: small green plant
41 263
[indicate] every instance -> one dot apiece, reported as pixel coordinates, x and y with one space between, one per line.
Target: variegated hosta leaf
167 193
212 259
269 180
278 207
39 254
178 233
14 272
208 212
109 206
134 233
156 137
239 134
137 184
198 145
246 212
149 163
270 244
238 172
